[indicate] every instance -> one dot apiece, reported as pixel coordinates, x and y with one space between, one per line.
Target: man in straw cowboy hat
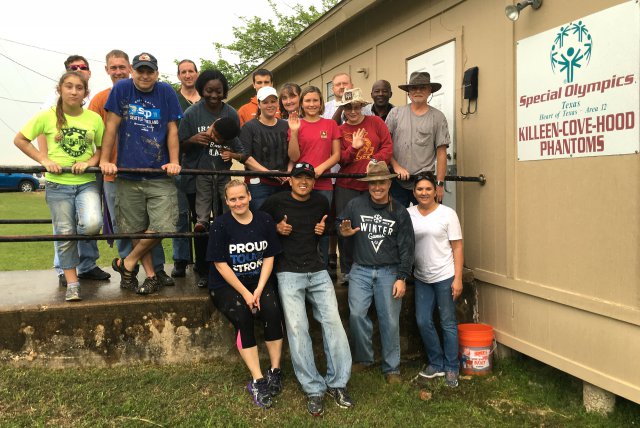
420 138
383 242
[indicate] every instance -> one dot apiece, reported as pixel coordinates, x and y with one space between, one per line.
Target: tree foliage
259 38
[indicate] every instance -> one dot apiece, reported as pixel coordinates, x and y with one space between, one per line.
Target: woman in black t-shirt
242 247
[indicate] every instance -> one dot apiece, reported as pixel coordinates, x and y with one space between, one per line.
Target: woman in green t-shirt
74 137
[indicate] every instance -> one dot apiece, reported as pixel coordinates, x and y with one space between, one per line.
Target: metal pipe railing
238 173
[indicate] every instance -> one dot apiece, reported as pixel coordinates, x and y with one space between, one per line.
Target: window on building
329 92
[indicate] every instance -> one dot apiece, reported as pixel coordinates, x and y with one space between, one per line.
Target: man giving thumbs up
300 217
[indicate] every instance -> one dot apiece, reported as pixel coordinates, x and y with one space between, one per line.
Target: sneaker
62 281
95 274
164 279
73 293
202 282
341 396
430 372
274 379
393 378
451 379
315 405
200 227
128 280
149 286
179 269
259 390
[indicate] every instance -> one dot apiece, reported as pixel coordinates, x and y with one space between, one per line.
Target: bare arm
441 170
230 277
294 146
80 167
403 174
39 156
108 141
173 146
265 272
458 262
254 165
333 159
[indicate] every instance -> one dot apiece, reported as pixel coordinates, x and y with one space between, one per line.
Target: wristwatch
440 183
401 278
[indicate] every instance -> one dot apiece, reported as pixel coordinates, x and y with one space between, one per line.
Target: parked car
40 177
18 181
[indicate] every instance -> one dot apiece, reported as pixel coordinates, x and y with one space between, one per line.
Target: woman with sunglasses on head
439 258
73 139
265 144
364 138
242 247
315 140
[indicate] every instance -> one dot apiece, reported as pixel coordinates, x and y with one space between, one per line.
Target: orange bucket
475 342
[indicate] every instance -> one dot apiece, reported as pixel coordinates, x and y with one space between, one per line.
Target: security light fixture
513 11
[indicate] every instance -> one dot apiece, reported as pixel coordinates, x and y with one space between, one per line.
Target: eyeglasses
78 67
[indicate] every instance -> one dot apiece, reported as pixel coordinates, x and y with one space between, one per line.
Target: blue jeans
402 195
427 296
75 209
125 245
261 192
317 289
367 283
182 246
323 243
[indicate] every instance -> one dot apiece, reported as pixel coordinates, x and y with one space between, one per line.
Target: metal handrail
240 173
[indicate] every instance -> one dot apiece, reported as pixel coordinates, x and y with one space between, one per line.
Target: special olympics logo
571 49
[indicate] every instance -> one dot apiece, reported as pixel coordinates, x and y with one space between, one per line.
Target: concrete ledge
597 400
112 326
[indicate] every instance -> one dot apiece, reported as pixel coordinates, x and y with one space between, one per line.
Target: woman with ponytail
74 137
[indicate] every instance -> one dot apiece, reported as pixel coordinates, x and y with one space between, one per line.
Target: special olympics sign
577 87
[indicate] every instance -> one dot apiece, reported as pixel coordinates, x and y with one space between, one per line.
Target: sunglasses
78 67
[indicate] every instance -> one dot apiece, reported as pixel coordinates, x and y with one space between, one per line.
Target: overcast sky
39 35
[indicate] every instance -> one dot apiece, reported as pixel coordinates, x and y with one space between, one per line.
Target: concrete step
114 326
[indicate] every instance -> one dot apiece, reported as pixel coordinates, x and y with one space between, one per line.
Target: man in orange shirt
118 68
261 77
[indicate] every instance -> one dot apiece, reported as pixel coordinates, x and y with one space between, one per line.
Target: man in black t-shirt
300 217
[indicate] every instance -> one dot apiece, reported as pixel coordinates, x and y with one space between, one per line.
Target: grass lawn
39 255
520 393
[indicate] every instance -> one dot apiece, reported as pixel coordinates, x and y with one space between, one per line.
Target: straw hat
352 96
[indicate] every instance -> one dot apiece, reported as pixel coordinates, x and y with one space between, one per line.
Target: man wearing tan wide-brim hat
383 251
420 138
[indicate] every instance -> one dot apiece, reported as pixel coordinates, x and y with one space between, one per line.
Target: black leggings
233 306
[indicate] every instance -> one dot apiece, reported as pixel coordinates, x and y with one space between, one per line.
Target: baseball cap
145 59
303 168
266 91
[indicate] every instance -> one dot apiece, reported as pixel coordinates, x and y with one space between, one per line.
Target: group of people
267 250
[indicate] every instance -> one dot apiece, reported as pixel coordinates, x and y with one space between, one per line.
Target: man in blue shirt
143 113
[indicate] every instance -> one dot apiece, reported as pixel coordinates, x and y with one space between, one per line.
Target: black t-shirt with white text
242 246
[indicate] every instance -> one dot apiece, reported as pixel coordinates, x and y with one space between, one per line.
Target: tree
258 39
